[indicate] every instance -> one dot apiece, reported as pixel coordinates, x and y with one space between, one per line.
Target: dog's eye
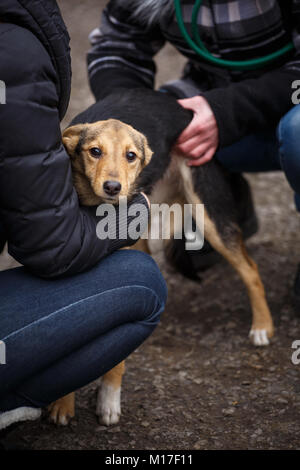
95 152
131 156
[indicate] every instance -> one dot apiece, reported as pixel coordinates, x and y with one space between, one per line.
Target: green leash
197 45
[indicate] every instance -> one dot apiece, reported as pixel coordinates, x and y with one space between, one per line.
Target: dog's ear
72 138
147 151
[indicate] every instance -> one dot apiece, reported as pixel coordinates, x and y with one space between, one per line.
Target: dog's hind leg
109 395
230 245
235 252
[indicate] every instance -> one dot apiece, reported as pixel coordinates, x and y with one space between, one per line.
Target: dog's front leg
62 410
109 395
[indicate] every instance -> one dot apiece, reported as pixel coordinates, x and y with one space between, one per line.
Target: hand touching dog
200 140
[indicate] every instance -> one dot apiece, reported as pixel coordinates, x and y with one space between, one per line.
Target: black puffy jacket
40 217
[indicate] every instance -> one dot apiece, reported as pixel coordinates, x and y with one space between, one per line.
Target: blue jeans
62 334
275 149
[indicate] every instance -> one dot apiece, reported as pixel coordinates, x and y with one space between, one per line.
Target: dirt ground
197 382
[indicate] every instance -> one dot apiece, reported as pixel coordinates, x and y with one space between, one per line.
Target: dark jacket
46 229
133 31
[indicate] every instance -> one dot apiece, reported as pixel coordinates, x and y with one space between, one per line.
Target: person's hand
200 139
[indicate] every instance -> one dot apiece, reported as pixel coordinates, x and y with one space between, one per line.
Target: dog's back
156 115
161 119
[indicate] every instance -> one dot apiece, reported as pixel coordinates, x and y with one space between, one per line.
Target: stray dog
159 120
107 158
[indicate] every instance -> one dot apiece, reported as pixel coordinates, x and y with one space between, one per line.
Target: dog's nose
112 187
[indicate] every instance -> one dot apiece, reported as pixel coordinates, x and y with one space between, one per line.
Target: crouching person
77 307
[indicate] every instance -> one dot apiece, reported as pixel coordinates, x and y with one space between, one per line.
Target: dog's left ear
72 136
147 151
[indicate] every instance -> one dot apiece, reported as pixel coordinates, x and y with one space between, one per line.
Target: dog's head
107 157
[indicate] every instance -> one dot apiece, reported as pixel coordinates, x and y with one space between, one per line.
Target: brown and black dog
113 142
107 157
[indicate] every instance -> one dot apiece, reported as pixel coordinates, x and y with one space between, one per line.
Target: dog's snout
112 187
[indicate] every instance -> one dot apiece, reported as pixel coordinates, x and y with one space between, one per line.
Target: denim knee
145 271
288 134
139 269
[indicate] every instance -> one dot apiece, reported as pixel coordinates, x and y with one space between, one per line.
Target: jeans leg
254 153
268 151
96 319
288 133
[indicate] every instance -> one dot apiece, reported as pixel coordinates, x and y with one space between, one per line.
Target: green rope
197 45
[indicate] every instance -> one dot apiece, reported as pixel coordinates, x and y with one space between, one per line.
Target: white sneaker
23 413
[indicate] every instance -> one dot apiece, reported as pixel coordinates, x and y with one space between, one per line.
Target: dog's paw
108 404
61 411
259 337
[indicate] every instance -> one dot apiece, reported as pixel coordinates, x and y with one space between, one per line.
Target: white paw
109 404
259 337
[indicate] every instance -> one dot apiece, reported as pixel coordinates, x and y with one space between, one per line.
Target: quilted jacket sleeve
47 230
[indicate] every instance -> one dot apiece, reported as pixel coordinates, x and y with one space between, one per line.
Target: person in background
78 306
244 118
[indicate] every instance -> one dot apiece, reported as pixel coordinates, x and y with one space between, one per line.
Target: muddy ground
198 383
